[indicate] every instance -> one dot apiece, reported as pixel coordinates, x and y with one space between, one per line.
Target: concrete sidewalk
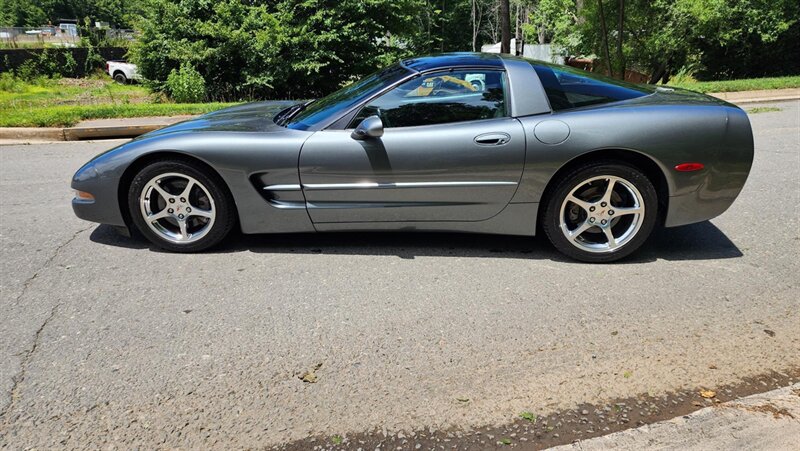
767 421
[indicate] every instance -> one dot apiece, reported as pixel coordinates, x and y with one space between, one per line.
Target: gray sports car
456 142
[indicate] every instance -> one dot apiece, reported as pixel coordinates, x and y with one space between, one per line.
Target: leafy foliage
283 49
716 38
230 44
47 64
186 85
553 20
33 13
326 43
21 13
246 49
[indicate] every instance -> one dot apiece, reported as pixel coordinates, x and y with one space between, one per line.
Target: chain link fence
62 35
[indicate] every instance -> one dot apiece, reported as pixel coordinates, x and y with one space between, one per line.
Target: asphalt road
106 341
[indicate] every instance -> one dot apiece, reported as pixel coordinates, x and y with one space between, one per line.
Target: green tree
21 13
32 13
232 45
553 21
660 37
283 49
440 26
325 43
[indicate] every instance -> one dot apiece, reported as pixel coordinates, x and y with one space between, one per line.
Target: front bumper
105 207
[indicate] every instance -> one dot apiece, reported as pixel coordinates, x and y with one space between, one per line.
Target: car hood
249 117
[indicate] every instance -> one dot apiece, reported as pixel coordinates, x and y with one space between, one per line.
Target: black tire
120 78
576 179
211 185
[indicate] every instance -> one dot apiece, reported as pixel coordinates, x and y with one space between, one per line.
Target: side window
439 98
573 88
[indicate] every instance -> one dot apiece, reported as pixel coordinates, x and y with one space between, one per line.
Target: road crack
26 358
27 355
46 264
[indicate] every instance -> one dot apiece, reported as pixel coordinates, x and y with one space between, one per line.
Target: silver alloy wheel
177 208
602 214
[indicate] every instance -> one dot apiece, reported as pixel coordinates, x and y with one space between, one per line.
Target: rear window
567 87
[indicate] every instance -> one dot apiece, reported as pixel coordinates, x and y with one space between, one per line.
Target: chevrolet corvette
462 142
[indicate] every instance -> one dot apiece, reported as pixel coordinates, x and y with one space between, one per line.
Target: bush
44 65
10 83
70 65
186 85
49 64
279 49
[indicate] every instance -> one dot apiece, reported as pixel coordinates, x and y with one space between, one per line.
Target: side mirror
371 127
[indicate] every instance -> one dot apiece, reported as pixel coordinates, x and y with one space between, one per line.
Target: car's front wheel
179 206
601 212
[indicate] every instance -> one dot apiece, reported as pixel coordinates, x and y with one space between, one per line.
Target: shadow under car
701 241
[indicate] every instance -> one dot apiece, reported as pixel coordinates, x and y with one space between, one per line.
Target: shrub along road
106 341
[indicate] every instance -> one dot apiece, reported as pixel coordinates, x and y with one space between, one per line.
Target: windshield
340 101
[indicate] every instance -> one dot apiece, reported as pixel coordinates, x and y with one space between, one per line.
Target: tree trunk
578 8
620 25
442 25
476 25
505 27
428 24
518 32
658 73
604 38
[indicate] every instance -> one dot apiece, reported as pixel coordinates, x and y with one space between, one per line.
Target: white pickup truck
122 71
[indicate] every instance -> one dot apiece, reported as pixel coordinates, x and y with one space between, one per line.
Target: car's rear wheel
120 78
179 206
601 212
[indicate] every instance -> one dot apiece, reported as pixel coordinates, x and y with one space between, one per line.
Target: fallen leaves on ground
310 376
708 393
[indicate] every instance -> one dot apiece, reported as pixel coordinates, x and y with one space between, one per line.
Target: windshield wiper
286 115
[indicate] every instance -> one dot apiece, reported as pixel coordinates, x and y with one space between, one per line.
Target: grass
747 84
64 103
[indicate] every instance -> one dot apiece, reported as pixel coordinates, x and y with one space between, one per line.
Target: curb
37 133
76 133
763 421
754 99
122 131
763 95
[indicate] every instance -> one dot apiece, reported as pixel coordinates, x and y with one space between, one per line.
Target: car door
449 152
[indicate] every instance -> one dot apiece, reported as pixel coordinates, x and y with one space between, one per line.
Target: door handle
492 139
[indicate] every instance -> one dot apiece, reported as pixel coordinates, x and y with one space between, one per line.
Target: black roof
445 60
